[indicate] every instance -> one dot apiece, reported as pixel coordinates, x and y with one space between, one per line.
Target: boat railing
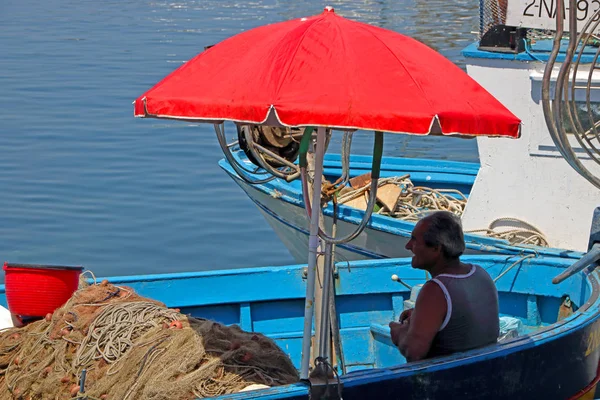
592 258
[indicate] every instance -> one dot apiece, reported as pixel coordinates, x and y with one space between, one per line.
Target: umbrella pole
313 244
322 337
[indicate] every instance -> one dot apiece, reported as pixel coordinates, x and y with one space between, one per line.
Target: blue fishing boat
539 358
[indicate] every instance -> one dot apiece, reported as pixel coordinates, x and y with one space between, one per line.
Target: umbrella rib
291 60
366 28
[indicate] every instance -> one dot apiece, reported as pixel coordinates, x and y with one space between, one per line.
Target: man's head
437 237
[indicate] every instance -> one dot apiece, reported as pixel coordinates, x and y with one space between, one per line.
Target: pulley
277 140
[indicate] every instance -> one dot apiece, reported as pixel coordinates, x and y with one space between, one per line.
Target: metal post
322 338
318 294
313 243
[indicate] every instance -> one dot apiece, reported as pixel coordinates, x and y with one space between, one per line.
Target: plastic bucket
36 290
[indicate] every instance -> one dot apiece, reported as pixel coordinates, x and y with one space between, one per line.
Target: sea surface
83 182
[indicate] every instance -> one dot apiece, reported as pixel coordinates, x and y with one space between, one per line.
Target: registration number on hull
541 14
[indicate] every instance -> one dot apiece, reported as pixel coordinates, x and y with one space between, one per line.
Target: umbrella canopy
329 71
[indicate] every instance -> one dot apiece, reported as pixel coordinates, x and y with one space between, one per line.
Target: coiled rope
416 202
522 233
114 331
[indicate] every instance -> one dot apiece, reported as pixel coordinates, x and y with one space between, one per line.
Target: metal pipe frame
346 148
323 338
553 110
239 169
263 163
595 154
366 216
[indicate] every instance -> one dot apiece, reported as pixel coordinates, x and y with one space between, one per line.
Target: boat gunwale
592 279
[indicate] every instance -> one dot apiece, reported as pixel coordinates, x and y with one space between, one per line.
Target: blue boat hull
282 206
550 359
561 364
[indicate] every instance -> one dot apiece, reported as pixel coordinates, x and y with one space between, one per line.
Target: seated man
457 309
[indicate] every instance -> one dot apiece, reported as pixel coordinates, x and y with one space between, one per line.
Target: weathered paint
539 50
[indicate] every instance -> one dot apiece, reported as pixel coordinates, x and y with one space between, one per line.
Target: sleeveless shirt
472 319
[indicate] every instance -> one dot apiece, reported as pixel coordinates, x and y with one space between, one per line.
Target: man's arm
414 338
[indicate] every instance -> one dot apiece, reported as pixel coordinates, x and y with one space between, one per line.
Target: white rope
521 233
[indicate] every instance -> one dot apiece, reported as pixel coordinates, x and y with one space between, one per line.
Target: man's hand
414 335
405 316
398 332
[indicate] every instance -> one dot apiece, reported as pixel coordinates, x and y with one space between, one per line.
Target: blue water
82 182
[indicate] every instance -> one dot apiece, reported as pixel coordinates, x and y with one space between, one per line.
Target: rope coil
416 202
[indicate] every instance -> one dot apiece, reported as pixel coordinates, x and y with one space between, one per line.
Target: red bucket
36 290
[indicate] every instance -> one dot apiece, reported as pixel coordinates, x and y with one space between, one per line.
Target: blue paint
246 317
398 305
291 345
386 354
513 304
357 345
279 316
533 313
538 51
362 310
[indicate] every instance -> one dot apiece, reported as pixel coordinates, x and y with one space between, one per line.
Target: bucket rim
7 266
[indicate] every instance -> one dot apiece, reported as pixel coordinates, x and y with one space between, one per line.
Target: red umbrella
329 71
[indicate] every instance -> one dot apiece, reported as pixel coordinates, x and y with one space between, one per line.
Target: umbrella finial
328 9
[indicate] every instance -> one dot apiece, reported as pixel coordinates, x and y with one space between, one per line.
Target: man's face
424 257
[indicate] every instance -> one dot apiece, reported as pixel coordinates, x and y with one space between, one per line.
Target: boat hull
556 361
290 224
282 206
559 363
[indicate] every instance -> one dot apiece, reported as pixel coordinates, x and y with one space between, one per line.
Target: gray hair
445 229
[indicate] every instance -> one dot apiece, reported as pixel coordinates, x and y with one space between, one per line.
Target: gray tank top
472 318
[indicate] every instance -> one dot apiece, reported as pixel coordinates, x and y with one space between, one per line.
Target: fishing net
133 348
493 13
